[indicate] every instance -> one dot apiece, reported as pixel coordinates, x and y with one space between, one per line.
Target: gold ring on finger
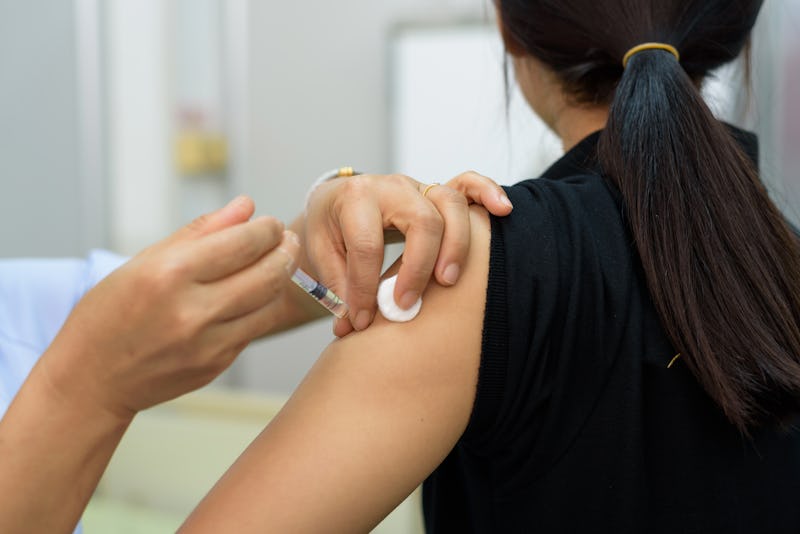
428 189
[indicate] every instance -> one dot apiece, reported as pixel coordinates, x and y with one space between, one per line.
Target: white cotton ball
389 307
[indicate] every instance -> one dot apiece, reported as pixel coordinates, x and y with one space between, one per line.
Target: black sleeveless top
578 424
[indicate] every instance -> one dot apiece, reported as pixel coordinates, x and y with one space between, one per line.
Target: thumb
237 211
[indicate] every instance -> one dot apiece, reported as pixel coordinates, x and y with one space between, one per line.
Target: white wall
142 185
775 113
45 208
460 118
319 99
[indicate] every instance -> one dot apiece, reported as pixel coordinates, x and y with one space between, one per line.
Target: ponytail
722 265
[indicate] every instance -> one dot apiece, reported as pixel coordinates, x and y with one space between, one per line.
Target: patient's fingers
423 239
484 191
362 230
453 207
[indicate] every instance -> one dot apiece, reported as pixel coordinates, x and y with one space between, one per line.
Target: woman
623 352
175 316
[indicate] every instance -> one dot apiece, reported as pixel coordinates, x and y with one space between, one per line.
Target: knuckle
468 178
173 270
317 252
351 195
273 230
398 179
355 186
247 247
273 291
454 197
363 295
214 311
271 224
273 282
366 247
187 325
459 182
164 276
199 223
417 274
458 242
428 220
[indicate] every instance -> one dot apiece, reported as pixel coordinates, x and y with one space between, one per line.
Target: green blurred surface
111 516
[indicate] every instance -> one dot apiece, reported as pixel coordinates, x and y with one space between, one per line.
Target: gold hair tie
650 46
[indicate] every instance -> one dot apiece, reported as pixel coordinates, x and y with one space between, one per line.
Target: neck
576 122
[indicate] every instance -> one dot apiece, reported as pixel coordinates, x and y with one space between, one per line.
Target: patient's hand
345 229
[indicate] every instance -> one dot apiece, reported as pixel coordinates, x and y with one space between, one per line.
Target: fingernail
362 320
504 201
290 265
238 201
292 237
408 299
451 273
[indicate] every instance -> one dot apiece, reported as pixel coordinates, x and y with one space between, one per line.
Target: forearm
53 451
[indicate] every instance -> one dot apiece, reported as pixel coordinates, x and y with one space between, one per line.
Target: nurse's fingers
257 285
232 249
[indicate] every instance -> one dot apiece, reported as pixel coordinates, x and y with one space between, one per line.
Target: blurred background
121 120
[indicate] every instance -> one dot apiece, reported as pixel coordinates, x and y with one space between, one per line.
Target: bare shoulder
377 413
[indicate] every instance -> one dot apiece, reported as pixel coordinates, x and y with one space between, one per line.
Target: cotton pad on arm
389 307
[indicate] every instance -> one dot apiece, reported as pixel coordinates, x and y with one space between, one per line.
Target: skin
372 413
383 407
345 242
545 94
168 322
571 122
348 222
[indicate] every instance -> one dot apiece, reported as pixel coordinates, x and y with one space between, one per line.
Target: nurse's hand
349 219
175 316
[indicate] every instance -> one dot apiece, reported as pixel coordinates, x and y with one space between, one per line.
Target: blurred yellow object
200 153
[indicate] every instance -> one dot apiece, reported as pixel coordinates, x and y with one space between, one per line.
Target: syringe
321 294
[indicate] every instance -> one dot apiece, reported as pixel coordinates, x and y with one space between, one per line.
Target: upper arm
375 415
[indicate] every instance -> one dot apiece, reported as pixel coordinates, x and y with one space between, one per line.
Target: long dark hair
722 265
